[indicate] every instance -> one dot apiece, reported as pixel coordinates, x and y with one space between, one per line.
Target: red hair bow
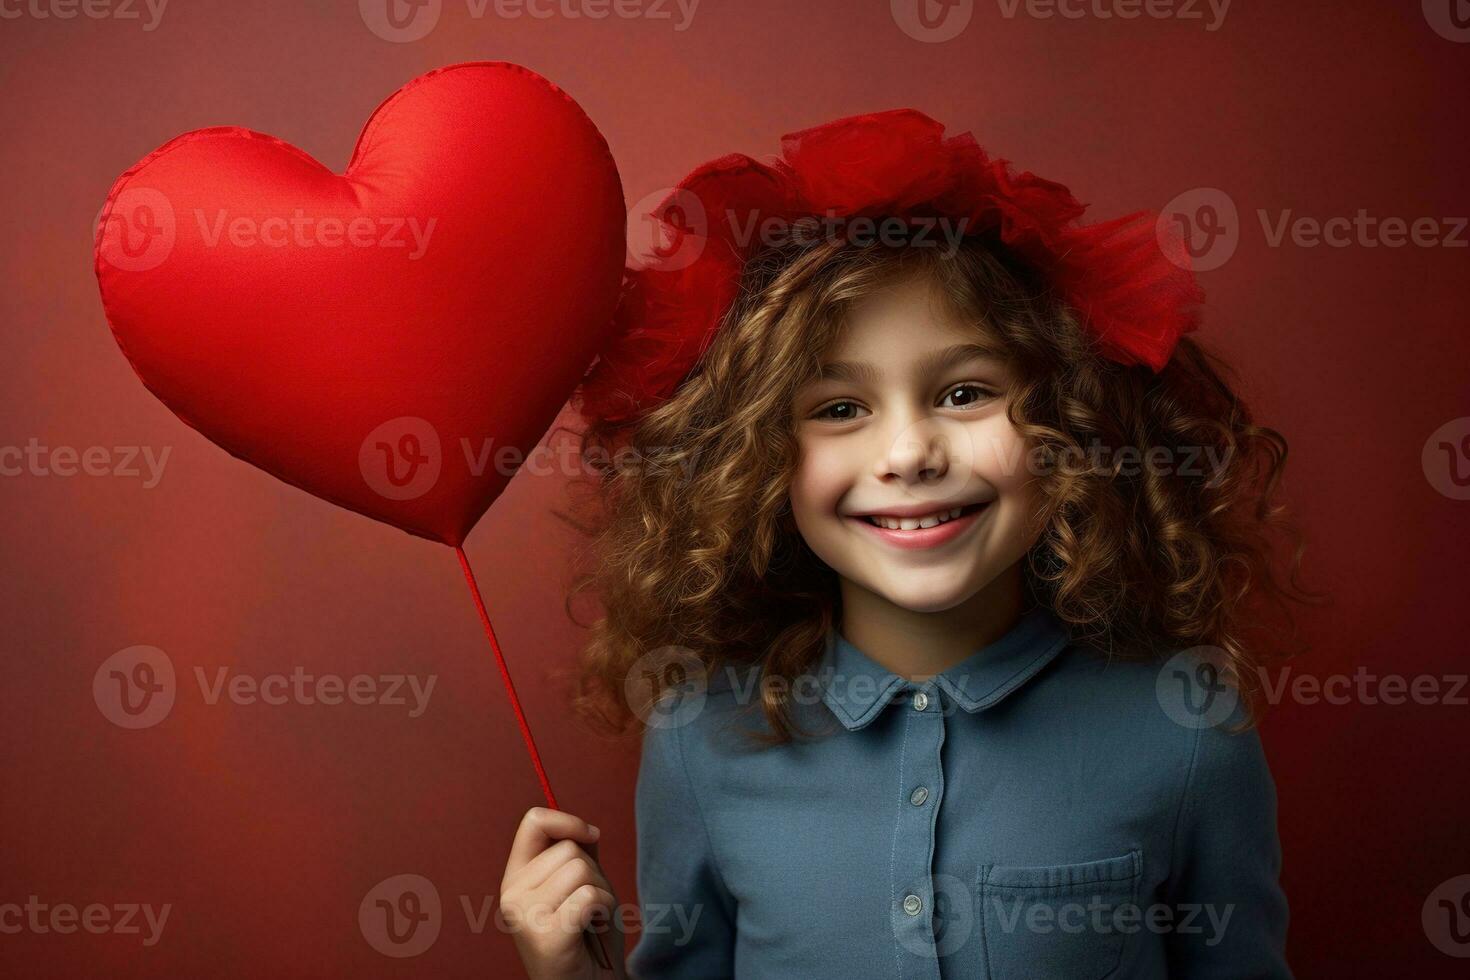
1131 285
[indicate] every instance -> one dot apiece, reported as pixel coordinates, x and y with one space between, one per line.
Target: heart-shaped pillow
394 339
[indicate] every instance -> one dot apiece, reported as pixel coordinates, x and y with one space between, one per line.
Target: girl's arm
1226 860
688 914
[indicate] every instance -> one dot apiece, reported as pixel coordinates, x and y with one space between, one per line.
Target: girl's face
912 484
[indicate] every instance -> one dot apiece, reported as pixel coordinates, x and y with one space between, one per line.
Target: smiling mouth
893 523
923 530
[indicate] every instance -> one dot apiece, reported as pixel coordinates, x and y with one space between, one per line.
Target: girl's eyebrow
864 373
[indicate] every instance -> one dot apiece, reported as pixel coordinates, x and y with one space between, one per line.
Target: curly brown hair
696 548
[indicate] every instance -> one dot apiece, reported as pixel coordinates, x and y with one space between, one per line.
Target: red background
265 826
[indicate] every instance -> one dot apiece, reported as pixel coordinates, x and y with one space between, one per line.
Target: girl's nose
919 453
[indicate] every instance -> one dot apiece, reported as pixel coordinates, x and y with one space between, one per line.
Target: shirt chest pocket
1058 922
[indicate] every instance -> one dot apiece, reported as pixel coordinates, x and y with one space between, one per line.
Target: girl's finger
539 828
567 879
543 865
584 905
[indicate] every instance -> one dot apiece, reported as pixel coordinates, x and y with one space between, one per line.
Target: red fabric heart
376 338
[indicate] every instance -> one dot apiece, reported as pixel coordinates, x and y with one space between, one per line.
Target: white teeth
913 523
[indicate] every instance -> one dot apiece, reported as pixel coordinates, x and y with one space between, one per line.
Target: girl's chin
922 592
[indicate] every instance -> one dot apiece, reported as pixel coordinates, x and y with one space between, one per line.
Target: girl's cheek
822 477
999 454
1003 460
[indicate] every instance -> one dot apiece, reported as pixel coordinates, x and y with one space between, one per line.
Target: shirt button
921 701
912 904
918 796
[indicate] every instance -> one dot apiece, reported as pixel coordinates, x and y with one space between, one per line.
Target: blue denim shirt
1034 812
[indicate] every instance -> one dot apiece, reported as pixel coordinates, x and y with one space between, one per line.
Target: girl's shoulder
706 705
1178 710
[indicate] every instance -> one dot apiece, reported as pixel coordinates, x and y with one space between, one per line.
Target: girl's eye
839 411
964 396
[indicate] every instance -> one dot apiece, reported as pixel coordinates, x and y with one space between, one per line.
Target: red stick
515 702
510 688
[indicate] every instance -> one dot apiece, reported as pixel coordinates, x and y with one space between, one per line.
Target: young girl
927 567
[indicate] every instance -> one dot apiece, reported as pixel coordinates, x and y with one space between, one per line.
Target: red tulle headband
1129 281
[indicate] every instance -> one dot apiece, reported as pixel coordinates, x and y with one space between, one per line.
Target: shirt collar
857 689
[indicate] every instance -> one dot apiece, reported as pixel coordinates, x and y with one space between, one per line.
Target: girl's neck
918 645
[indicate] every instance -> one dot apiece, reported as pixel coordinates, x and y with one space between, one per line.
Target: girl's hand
552 890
